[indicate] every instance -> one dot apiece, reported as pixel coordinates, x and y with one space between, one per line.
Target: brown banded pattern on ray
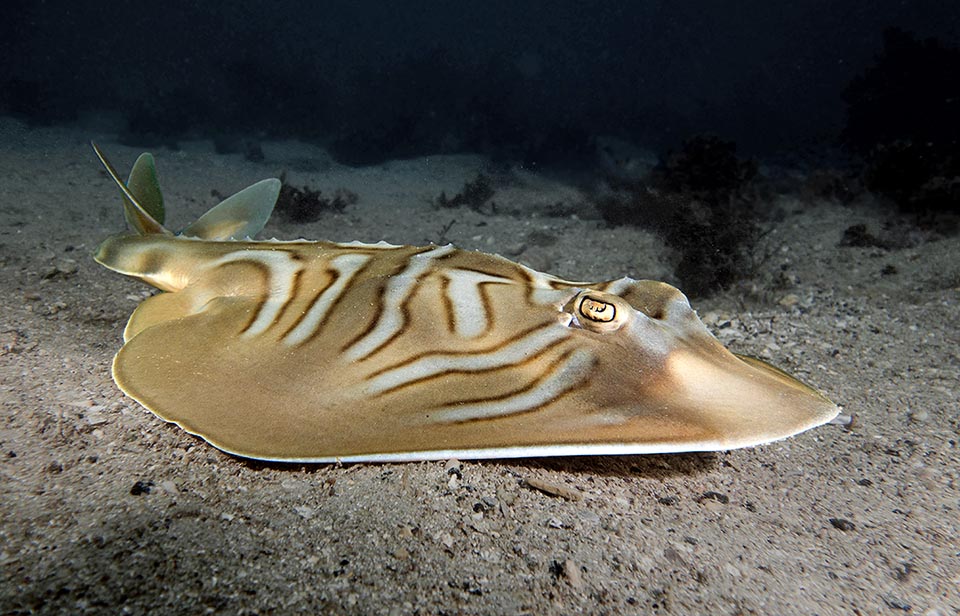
563 376
323 351
428 366
314 315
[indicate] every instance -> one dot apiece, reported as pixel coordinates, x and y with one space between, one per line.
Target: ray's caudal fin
322 351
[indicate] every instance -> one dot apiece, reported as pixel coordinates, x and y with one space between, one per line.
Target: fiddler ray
321 351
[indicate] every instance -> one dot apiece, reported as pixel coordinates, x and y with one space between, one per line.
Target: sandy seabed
106 509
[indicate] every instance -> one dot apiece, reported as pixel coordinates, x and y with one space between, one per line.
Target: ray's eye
598 312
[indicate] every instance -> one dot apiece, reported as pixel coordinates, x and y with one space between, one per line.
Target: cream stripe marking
552 297
282 270
570 373
395 294
346 267
431 365
469 309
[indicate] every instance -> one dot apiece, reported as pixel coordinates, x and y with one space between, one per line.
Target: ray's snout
743 400
678 384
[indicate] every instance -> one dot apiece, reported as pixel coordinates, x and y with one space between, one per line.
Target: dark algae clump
307 205
698 200
474 194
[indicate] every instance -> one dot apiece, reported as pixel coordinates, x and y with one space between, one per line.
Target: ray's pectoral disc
323 351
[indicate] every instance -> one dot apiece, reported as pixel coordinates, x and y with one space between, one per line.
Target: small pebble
141 487
304 512
572 573
714 496
789 300
842 524
554 489
674 556
897 603
94 417
446 539
455 471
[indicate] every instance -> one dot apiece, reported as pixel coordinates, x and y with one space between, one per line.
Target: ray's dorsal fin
142 185
239 216
145 187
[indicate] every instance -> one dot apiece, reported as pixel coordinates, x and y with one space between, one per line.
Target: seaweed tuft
698 201
474 194
307 205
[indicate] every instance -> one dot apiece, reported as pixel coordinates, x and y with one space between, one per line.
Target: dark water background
534 81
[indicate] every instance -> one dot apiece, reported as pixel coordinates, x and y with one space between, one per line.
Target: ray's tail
161 257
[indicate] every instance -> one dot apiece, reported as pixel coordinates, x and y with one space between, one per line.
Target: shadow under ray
650 466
